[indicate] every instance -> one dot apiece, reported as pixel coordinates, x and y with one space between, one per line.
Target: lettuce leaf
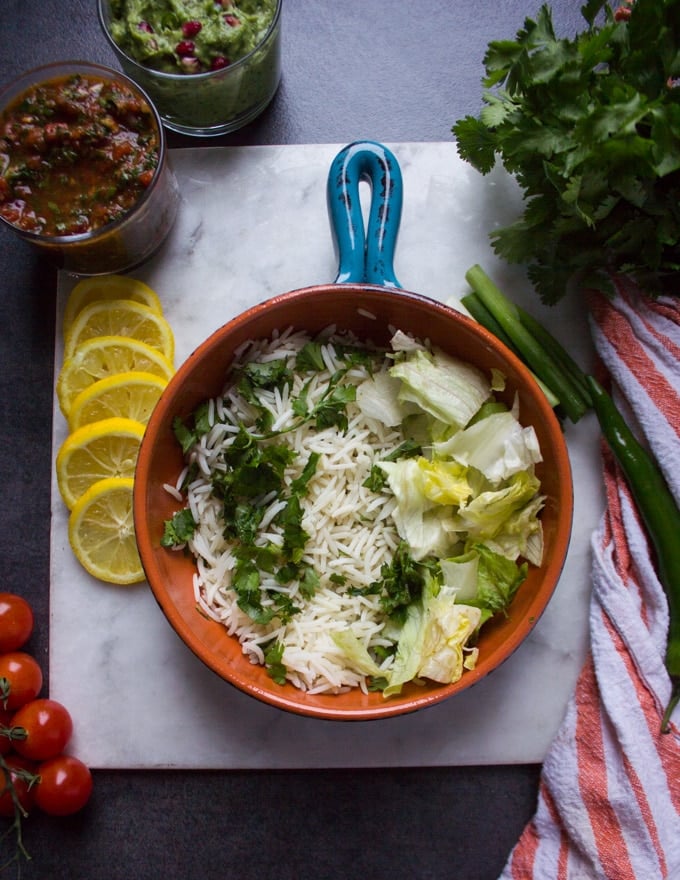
448 626
445 387
433 640
484 579
409 650
498 579
486 514
355 653
378 398
521 533
444 482
498 446
418 521
459 574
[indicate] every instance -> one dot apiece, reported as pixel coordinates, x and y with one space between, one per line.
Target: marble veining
253 223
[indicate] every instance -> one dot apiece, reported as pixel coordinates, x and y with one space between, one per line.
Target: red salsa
76 153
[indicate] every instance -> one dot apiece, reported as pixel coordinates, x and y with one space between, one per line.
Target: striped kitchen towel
609 795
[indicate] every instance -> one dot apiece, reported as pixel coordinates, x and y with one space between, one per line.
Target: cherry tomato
6 744
48 727
64 786
20 679
16 622
23 790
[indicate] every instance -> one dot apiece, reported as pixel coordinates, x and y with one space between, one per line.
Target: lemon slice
103 356
103 449
102 534
125 395
120 317
104 287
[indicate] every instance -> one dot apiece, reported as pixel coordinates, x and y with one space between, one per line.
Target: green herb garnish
590 127
273 660
179 529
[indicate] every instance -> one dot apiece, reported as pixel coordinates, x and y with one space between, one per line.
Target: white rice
350 528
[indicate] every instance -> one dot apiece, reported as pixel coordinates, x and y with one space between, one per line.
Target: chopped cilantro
377 684
299 485
294 536
401 581
191 430
267 374
309 582
331 410
310 358
273 660
179 529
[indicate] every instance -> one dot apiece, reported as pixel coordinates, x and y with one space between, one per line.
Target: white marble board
253 223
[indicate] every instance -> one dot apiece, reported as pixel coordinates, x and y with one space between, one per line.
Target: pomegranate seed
191 28
219 62
232 20
145 27
185 48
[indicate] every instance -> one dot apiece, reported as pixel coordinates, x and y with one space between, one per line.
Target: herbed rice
350 527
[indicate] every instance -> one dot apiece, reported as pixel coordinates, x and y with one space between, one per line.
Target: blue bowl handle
365 256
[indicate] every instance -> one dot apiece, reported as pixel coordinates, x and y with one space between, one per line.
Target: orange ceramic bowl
203 375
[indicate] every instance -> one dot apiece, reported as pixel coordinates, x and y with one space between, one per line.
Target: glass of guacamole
209 66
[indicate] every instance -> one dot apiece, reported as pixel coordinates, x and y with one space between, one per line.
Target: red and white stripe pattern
609 797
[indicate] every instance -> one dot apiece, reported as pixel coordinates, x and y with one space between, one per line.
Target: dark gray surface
382 69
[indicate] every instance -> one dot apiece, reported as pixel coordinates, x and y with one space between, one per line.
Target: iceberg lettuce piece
498 579
444 482
378 398
356 654
486 514
425 529
401 341
459 574
521 533
498 379
433 641
498 446
532 549
409 650
448 626
484 579
447 388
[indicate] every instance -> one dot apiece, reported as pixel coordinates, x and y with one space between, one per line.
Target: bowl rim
193 77
321 706
63 68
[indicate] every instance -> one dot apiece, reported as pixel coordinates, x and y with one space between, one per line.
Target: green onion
538 357
483 316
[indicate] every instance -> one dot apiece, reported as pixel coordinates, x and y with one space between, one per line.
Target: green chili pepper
660 515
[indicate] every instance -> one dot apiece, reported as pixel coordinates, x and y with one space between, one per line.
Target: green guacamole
189 36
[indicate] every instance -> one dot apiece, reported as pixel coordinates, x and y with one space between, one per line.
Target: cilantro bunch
590 127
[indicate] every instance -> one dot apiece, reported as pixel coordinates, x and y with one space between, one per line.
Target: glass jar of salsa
84 171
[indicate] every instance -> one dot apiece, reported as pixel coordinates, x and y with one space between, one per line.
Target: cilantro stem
543 361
